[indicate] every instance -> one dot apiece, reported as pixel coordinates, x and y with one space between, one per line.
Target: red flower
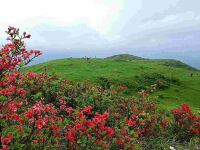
16 117
21 91
120 142
131 123
26 56
81 115
133 117
145 94
11 79
87 110
29 114
195 131
109 131
31 74
164 123
121 88
124 133
186 120
186 108
57 142
140 131
69 110
35 141
28 36
6 139
40 123
91 124
42 140
71 135
5 147
62 107
13 107
105 115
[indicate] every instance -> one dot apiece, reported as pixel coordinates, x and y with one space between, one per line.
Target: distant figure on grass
87 59
45 69
191 75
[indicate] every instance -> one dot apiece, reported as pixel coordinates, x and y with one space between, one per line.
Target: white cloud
101 24
169 18
98 14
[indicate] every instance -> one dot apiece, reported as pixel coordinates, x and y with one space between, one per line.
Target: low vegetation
41 111
179 84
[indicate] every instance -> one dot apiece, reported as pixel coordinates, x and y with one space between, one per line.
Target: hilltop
124 57
166 62
181 81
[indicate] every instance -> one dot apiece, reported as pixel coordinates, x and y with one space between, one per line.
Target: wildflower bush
186 123
38 111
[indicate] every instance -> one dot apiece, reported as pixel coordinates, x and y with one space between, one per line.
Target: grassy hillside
136 73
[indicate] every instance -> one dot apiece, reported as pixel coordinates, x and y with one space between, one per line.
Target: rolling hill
181 81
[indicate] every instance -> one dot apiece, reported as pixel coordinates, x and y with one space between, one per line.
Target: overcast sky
107 26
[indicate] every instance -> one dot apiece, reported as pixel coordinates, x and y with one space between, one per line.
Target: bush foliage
38 111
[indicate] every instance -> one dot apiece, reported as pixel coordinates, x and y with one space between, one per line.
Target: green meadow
181 82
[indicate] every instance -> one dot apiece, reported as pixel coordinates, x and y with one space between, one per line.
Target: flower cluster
38 111
186 120
15 55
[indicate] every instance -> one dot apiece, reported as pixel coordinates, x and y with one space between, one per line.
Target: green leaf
21 64
2 98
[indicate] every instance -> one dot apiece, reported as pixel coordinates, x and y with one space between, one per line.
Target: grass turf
135 73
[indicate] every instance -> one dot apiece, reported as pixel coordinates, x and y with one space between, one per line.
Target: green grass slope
136 74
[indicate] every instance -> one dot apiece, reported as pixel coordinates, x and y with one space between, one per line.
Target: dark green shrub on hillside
104 82
160 80
139 82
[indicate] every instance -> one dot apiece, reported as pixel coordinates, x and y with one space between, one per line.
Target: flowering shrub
38 111
14 55
187 124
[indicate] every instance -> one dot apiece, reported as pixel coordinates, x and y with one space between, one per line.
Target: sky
77 28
